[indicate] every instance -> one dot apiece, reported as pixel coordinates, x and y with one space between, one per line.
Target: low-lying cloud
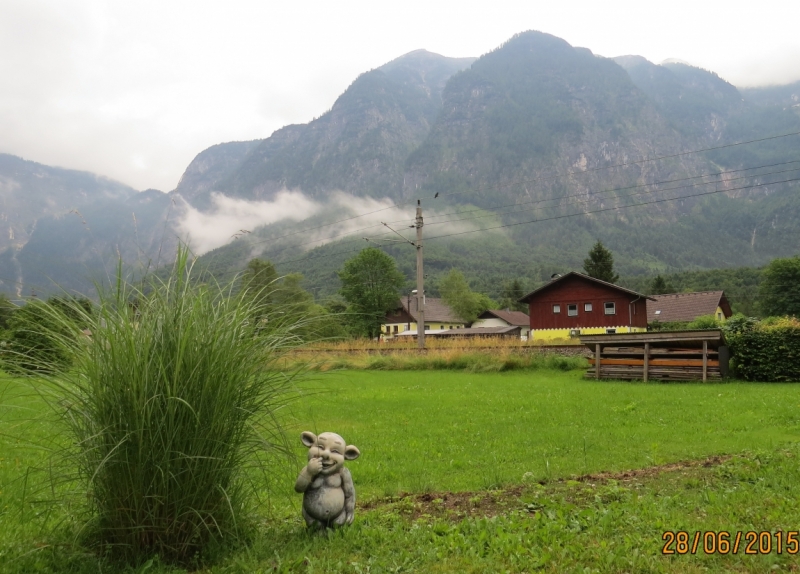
231 217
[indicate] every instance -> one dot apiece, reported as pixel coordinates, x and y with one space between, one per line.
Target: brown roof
435 310
479 331
686 306
517 318
552 282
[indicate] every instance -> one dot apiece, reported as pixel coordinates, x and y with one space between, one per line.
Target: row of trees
371 285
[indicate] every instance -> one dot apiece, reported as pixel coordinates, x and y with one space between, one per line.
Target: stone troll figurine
329 498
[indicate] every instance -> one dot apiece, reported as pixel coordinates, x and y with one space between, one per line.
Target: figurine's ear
309 438
351 452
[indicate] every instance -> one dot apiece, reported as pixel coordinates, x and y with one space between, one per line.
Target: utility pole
420 291
420 281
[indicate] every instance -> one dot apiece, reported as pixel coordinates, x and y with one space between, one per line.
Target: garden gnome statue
329 498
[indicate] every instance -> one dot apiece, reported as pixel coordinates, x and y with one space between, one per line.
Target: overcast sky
134 90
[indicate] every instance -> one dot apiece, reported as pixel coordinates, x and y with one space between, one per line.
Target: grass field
425 435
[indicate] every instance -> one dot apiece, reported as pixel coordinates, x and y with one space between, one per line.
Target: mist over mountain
549 146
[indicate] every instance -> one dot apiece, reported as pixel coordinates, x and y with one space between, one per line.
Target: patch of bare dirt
459 505
653 470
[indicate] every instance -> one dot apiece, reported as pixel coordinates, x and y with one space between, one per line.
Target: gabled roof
517 318
550 284
686 306
435 310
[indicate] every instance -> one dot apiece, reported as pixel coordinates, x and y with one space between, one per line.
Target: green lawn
440 431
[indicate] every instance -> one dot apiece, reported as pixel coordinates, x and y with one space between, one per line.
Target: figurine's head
331 448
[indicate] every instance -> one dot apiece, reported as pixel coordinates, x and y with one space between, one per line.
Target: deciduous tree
461 299
371 285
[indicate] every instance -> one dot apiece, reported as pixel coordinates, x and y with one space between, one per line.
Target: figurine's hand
314 466
349 516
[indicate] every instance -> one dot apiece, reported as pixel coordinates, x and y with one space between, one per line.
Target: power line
499 186
483 210
582 172
495 214
713 174
614 208
585 201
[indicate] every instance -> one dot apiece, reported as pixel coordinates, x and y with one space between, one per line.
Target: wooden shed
699 355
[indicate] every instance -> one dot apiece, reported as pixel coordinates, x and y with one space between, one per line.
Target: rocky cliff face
30 191
539 119
359 146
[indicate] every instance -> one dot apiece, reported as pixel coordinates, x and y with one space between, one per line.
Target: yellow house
438 317
688 306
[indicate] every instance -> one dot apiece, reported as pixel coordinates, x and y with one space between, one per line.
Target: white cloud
358 217
229 217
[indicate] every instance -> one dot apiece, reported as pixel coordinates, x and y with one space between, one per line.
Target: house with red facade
575 304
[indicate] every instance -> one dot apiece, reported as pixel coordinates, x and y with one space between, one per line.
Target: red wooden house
575 304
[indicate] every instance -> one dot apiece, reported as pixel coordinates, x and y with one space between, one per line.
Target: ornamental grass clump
172 404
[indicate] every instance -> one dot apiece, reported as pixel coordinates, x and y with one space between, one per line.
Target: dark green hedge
767 352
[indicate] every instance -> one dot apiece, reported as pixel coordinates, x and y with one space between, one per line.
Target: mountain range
550 145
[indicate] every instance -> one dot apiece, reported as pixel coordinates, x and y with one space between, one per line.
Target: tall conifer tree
600 264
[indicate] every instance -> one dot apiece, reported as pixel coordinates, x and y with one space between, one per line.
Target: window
610 331
611 308
587 307
556 308
427 327
719 316
572 310
395 328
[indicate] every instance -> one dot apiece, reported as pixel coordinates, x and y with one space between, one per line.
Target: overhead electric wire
483 211
713 174
585 201
519 182
624 164
613 208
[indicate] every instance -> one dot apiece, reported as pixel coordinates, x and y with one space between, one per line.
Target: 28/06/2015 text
723 542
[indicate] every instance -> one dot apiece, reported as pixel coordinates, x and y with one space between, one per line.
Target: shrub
171 404
704 322
766 351
36 334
